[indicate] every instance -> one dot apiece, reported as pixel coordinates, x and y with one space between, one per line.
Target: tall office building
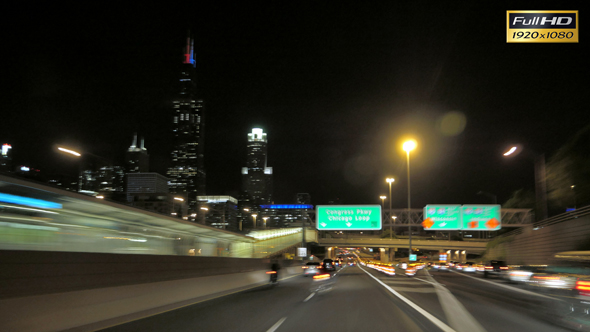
187 171
137 159
256 176
6 158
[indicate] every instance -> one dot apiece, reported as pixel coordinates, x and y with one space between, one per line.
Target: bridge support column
384 255
392 254
330 252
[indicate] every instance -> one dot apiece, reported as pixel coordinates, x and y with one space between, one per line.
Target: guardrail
552 221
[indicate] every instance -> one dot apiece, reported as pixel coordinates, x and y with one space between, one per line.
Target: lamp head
409 145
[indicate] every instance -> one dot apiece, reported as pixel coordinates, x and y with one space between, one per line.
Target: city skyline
337 90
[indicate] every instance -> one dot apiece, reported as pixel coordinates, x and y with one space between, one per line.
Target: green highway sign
348 217
442 217
466 217
481 217
412 257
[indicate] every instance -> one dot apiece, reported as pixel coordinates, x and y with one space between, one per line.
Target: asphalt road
362 299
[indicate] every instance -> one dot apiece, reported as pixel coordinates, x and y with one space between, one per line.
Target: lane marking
261 284
309 297
457 315
424 313
277 324
508 287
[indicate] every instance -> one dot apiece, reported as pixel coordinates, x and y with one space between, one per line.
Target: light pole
382 206
76 154
390 180
254 215
540 180
177 212
574 190
409 146
265 218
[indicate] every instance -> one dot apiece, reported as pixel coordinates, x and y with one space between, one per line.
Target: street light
265 218
540 179
72 152
409 146
390 180
254 215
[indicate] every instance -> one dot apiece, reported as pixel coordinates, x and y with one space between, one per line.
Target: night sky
336 85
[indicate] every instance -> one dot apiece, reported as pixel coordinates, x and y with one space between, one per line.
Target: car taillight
271 272
503 267
583 287
489 267
322 276
304 267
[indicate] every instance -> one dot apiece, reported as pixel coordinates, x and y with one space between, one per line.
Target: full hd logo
542 26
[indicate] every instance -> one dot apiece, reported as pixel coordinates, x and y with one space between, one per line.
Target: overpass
471 246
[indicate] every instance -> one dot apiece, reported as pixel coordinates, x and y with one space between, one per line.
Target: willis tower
187 172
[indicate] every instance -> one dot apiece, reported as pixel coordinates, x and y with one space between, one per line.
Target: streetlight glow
205 209
179 199
409 145
389 180
77 154
511 151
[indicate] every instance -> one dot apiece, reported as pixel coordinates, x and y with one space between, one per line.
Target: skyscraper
256 176
187 172
6 158
137 159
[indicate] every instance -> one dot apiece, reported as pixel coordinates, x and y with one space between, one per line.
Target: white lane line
277 324
508 287
309 297
425 313
457 316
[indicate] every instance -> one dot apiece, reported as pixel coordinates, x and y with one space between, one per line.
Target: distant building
257 176
137 159
141 183
284 215
187 171
149 191
303 198
6 158
219 212
105 180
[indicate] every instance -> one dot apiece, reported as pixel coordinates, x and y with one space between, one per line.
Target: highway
362 299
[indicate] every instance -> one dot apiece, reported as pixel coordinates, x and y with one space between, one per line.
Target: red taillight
304 267
583 287
271 272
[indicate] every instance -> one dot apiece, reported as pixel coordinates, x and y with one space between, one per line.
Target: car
443 267
328 265
523 273
468 266
311 268
495 268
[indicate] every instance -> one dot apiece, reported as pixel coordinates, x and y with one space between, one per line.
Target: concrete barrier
96 308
